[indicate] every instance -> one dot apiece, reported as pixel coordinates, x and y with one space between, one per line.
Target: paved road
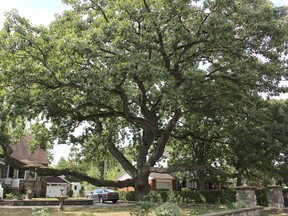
107 204
112 204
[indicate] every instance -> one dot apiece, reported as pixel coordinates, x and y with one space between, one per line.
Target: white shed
76 187
56 186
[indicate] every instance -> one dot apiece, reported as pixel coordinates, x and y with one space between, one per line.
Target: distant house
163 180
156 180
18 181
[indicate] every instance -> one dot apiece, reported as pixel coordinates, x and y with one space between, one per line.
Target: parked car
102 195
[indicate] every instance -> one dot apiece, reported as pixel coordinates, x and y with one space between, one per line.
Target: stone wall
246 195
38 186
275 197
47 202
252 211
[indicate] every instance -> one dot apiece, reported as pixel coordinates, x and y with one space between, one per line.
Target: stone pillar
275 197
246 194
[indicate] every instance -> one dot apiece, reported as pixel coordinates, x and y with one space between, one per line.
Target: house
156 180
18 181
57 186
163 180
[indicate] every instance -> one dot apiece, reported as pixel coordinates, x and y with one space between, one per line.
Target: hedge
199 197
207 196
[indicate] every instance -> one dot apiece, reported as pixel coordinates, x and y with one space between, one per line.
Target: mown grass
111 210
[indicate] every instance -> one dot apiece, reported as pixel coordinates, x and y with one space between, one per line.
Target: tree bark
142 186
201 181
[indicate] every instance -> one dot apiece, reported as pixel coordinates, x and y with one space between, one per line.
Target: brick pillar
275 197
153 184
246 194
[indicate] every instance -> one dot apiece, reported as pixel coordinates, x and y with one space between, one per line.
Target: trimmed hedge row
199 197
206 196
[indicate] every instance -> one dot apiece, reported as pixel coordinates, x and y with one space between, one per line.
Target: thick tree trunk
142 187
239 183
201 180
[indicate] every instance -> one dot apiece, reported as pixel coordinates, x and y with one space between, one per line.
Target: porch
10 183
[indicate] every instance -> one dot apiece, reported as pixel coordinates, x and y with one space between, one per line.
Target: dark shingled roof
56 179
21 152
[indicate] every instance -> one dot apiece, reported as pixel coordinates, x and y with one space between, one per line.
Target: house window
21 174
11 172
32 175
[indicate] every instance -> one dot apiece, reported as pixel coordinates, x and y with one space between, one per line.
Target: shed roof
57 179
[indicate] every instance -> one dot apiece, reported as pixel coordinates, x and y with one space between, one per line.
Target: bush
168 209
174 197
235 205
10 196
130 196
144 208
40 212
261 196
70 193
186 196
219 196
154 197
127 196
185 189
285 195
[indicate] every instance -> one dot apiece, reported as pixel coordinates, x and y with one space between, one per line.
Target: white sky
42 12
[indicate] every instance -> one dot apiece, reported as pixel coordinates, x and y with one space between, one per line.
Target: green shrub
122 195
154 196
186 189
127 196
261 196
70 193
235 205
130 196
6 190
285 195
144 208
174 197
10 196
186 196
168 209
219 196
189 196
40 212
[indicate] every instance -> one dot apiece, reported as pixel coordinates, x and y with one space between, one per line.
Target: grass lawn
81 211
100 211
85 211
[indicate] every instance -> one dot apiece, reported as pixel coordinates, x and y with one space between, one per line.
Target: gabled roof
57 180
163 176
153 175
21 152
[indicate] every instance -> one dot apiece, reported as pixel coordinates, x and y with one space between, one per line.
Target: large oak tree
130 72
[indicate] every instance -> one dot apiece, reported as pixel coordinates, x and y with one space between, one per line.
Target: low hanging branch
49 171
192 168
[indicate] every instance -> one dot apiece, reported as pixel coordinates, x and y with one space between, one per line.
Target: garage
57 186
164 184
